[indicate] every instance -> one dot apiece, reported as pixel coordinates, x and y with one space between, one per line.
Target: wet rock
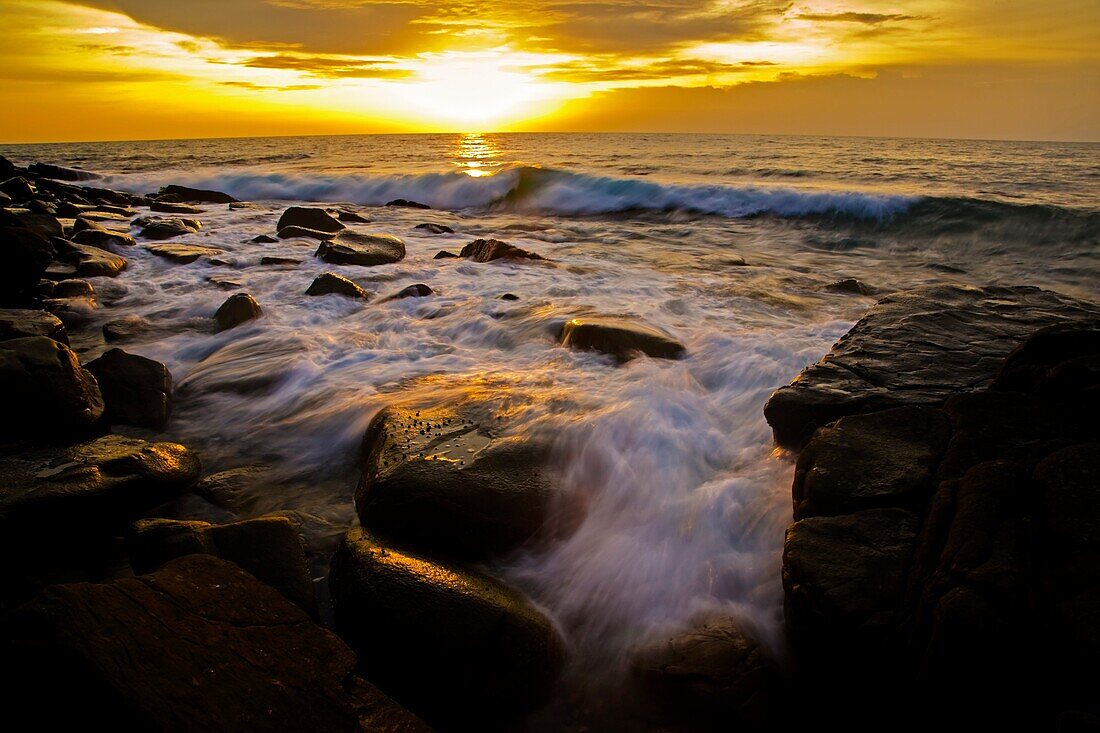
197 195
714 675
622 338
352 217
237 309
182 254
267 547
89 261
1055 361
457 646
279 261
445 255
45 391
59 271
883 459
405 203
17 188
57 172
5 200
164 207
432 228
198 645
420 290
263 239
41 224
850 286
916 347
487 250
19 323
136 390
25 257
330 283
73 289
290 232
102 237
507 296
124 213
225 283
38 206
167 229
437 480
365 250
100 216
309 218
127 328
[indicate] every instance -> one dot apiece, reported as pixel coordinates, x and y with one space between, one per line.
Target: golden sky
136 69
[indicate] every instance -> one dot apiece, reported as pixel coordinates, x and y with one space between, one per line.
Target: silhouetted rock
420 290
47 170
18 189
279 261
182 254
507 296
167 228
487 250
406 204
445 255
24 257
365 250
136 390
45 391
197 195
432 228
451 643
330 283
237 309
850 286
622 338
1055 361
353 217
309 218
263 239
20 323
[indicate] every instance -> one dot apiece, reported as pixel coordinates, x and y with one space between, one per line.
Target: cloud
865 18
271 88
329 67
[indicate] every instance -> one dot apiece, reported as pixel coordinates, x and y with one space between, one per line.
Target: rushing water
686 499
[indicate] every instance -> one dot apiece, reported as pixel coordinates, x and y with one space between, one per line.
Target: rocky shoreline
943 554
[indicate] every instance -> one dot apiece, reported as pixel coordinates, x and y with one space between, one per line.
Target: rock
167 228
309 218
41 224
38 206
850 286
290 232
26 255
182 254
420 290
19 323
46 170
164 207
1055 361
366 250
200 645
622 338
432 228
225 283
714 674
507 296
90 261
114 216
883 459
197 195
102 238
487 250
434 479
331 283
45 391
445 255
351 216
5 200
447 641
59 271
237 309
405 203
263 239
1070 500
916 347
127 328
136 390
73 289
18 189
267 547
92 487
279 261
69 210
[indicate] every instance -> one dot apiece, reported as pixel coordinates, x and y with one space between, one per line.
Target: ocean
726 242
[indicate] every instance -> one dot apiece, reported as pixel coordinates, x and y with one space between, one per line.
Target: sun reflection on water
477 155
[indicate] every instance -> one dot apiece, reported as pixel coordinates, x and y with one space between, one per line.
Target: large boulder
487 250
43 224
167 228
309 218
25 257
200 645
197 195
268 547
365 250
237 309
136 390
89 261
438 480
17 188
450 643
19 323
623 338
44 390
916 347
330 283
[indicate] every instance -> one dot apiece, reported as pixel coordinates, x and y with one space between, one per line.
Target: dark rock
916 347
366 250
309 218
507 296
487 250
7 168
420 290
884 459
164 207
59 271
237 309
73 289
279 261
331 283
263 239
182 254
439 481
850 286
268 547
1056 361
45 391
102 238
405 203
432 228
38 206
46 170
41 224
5 200
622 338
167 228
136 390
18 189
291 232
26 255
19 323
89 261
351 216
1070 500
197 195
714 674
445 255
225 283
199 645
128 328
69 210
447 641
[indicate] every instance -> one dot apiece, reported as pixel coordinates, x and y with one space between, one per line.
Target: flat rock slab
365 250
440 480
20 323
198 645
487 250
454 643
623 338
182 254
916 347
90 261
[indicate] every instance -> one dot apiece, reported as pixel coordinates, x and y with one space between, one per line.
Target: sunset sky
135 69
